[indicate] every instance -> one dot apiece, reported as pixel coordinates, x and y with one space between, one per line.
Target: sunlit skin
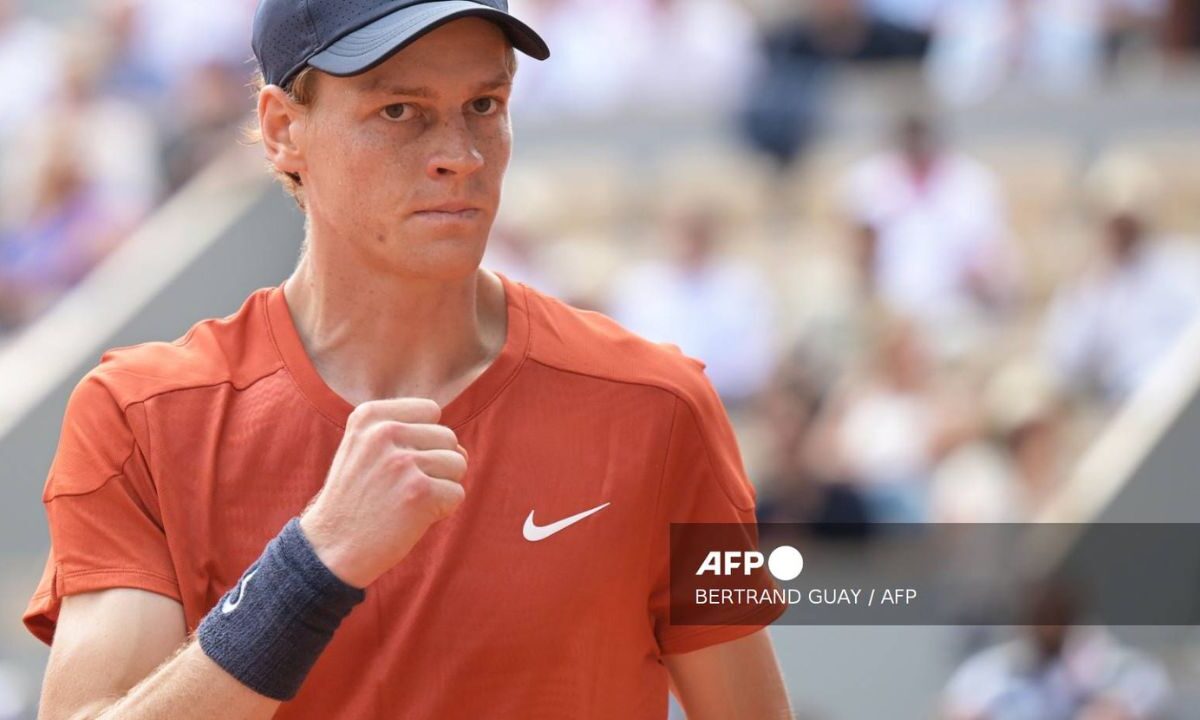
427 128
401 169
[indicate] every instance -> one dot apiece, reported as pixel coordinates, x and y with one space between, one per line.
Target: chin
444 258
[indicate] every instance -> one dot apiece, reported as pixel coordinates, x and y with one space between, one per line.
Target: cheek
358 170
498 146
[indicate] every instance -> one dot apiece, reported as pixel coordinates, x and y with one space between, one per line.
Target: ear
282 123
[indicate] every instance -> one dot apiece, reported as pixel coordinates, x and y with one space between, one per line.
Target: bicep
735 679
105 643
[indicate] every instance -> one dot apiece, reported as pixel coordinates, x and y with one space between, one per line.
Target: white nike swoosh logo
230 604
533 532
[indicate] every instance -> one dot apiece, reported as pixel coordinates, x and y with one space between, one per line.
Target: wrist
334 554
269 629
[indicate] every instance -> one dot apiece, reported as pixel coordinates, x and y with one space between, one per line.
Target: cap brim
370 45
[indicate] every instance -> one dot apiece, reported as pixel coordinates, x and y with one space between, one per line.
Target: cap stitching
312 25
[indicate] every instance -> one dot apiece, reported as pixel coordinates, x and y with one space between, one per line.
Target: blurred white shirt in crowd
31 65
1006 682
637 55
936 239
722 315
174 38
1114 326
1053 46
886 436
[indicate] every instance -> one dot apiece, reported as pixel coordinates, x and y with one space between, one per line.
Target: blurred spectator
846 30
208 110
1135 25
30 62
169 40
675 38
714 308
932 235
795 488
662 43
886 428
87 173
576 84
129 73
1109 329
1182 28
785 99
65 230
918 15
1054 47
1058 671
1011 468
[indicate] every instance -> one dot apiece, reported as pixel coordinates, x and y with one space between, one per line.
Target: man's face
404 163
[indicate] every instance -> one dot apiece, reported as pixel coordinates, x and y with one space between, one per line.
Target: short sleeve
704 481
101 505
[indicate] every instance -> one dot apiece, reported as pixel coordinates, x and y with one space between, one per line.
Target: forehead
464 51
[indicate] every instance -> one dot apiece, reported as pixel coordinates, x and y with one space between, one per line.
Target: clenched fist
395 474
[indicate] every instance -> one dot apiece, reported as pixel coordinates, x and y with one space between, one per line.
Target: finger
409 410
424 436
447 496
442 464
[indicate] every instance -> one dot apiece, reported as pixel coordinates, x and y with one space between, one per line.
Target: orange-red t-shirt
178 461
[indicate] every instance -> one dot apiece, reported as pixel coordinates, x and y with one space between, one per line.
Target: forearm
189 685
250 653
737 680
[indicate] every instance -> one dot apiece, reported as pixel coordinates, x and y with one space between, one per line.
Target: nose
455 151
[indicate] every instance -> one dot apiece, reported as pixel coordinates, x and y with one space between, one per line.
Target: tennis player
397 485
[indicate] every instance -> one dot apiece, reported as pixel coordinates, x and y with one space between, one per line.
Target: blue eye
397 112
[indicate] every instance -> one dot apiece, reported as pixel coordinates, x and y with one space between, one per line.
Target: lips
450 208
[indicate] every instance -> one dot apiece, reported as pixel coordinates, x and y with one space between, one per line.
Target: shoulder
232 349
701 446
586 342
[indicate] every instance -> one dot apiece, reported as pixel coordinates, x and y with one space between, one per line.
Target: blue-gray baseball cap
348 37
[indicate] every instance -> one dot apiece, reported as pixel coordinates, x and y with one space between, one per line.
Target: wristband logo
230 604
785 562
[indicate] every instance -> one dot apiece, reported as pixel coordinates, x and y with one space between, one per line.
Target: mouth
442 216
451 211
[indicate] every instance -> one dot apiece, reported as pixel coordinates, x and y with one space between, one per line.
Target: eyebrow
380 85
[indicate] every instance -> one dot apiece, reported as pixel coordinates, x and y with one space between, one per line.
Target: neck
372 335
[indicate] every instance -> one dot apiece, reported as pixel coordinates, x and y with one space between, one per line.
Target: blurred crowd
114 104
111 106
775 60
941 380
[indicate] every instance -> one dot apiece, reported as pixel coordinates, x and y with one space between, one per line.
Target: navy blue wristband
271 627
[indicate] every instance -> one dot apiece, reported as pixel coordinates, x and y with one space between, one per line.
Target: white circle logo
785 562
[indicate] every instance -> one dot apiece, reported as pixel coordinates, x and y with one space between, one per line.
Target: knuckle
418 490
401 462
361 415
378 434
395 432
